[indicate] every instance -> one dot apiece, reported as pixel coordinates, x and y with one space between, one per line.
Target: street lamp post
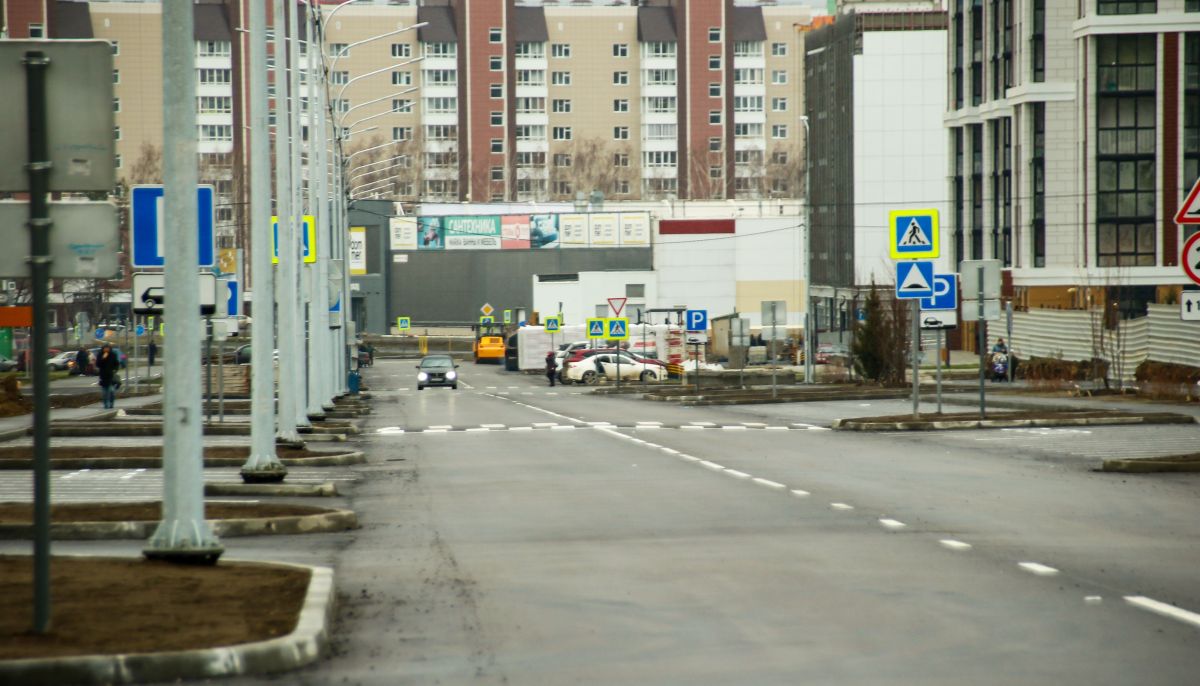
809 319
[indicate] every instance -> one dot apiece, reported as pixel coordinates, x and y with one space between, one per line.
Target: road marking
954 545
647 427
692 428
651 445
604 425
542 425
669 451
768 483
736 474
1037 568
133 474
551 392
841 506
702 423
892 524
1160 608
442 426
521 428
777 428
435 431
712 465
478 428
754 424
492 426
799 493
640 423
733 427
689 458
1093 599
390 430
560 427
491 388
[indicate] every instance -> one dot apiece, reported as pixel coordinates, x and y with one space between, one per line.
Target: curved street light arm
346 50
381 114
406 91
376 164
398 165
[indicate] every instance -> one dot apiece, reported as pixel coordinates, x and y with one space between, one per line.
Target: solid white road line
841 506
768 483
799 493
736 474
777 428
712 465
892 524
954 545
692 428
689 458
492 426
669 451
521 428
559 427
702 423
733 427
1161 608
478 428
1037 568
436 431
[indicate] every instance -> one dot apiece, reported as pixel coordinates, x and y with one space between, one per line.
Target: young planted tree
880 343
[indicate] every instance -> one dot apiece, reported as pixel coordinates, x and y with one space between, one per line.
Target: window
212 48
563 188
620 78
748 103
497 173
659 77
441 132
441 105
714 62
497 119
779 104
620 50
661 132
216 132
778 49
116 76
779 131
562 159
747 130
495 35
1037 180
210 104
977 53
1037 44
436 50
560 50
402 133
533 50
779 157
560 106
660 105
531 77
714 116
744 48
1126 6
497 145
714 35
714 172
620 188
529 132
659 50
714 90
339 49
620 105
208 76
116 133
36 31
116 47
400 78
714 145
340 105
341 78
659 158
496 90
401 50
621 159
561 133
780 187
659 186
1001 136
496 63
620 133
531 105
1125 150
445 189
976 133
441 160
1191 106
779 77
531 159
401 105
116 104
560 78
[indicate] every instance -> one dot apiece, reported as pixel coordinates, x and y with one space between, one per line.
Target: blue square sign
945 293
914 280
697 320
149 235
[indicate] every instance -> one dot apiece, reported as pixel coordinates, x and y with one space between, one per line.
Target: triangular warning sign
914 280
915 236
1189 211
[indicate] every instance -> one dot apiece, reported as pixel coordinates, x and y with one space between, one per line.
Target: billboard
521 231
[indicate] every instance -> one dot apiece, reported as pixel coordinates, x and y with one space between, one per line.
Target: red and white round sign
1190 259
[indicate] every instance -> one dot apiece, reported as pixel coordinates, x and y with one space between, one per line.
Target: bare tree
590 164
705 172
784 172
147 168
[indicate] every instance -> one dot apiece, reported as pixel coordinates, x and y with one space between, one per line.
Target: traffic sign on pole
914 280
697 320
945 293
553 325
616 305
308 239
596 328
149 291
618 329
1189 306
508 316
487 309
1190 258
149 234
1189 211
403 324
914 234
487 320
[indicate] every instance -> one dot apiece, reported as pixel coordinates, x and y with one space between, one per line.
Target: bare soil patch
22 513
114 606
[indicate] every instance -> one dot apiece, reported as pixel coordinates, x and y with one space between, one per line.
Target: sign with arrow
914 234
914 280
1190 259
149 293
1189 306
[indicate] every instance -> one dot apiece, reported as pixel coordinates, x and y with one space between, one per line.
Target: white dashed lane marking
1037 568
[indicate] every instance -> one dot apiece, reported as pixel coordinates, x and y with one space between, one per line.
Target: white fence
1069 334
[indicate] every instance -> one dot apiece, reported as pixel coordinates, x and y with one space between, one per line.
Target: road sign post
403 324
914 234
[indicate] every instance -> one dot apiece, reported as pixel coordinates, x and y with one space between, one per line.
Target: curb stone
325 490
304 645
332 460
933 425
1151 466
323 522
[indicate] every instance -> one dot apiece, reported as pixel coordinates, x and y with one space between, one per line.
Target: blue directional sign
914 280
553 325
99 334
234 306
595 327
697 320
146 223
308 238
141 330
945 293
618 328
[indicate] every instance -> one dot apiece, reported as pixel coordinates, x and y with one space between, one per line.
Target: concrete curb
307 642
325 490
324 522
332 460
929 425
765 399
1151 466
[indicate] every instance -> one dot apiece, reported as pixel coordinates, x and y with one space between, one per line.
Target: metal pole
1009 367
285 286
208 370
38 168
939 371
915 308
262 464
301 363
320 396
810 370
221 379
136 358
183 535
982 343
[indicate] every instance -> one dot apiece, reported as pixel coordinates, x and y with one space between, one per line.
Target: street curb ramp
304 645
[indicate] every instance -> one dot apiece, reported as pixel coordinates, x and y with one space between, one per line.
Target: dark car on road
437 370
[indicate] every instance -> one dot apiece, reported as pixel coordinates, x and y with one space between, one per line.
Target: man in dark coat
82 360
551 366
107 366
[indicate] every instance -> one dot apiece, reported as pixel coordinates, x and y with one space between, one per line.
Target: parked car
62 361
437 370
7 365
242 355
582 366
829 352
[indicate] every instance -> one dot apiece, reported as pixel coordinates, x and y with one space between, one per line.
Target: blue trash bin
352 382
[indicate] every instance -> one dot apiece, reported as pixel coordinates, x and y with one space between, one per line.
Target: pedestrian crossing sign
552 325
913 234
595 328
403 324
618 328
487 320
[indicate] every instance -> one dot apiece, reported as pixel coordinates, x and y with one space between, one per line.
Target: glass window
496 90
562 159
620 50
779 49
560 106
401 105
779 131
401 133
497 145
621 133
339 49
620 105
714 116
714 145
561 133
399 78
714 90
441 49
1126 6
620 78
744 48
560 78
779 77
714 35
495 35
496 63
531 105
535 50
714 62
1037 182
401 50
779 104
560 50
621 159
497 119
1037 42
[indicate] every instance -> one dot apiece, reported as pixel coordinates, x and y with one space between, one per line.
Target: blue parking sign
945 293
697 320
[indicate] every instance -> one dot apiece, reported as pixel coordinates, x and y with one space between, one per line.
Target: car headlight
422 376
451 375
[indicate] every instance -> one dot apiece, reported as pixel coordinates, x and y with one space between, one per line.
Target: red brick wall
701 16
480 17
22 13
1170 147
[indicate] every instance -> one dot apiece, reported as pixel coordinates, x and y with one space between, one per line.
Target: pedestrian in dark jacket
82 361
151 351
106 367
551 366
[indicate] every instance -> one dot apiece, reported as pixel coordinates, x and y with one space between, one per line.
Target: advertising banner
430 235
514 231
358 250
573 230
604 231
472 232
635 228
403 233
543 231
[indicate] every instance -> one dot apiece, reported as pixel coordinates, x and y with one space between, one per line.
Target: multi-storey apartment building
1073 135
536 101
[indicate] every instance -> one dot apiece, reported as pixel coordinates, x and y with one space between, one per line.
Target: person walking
106 367
151 351
551 367
82 362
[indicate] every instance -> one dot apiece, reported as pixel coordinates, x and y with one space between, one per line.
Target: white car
61 361
588 370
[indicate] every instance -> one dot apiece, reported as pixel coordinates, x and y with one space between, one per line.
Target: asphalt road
518 534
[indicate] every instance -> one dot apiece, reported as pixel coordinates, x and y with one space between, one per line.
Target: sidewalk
15 427
962 393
